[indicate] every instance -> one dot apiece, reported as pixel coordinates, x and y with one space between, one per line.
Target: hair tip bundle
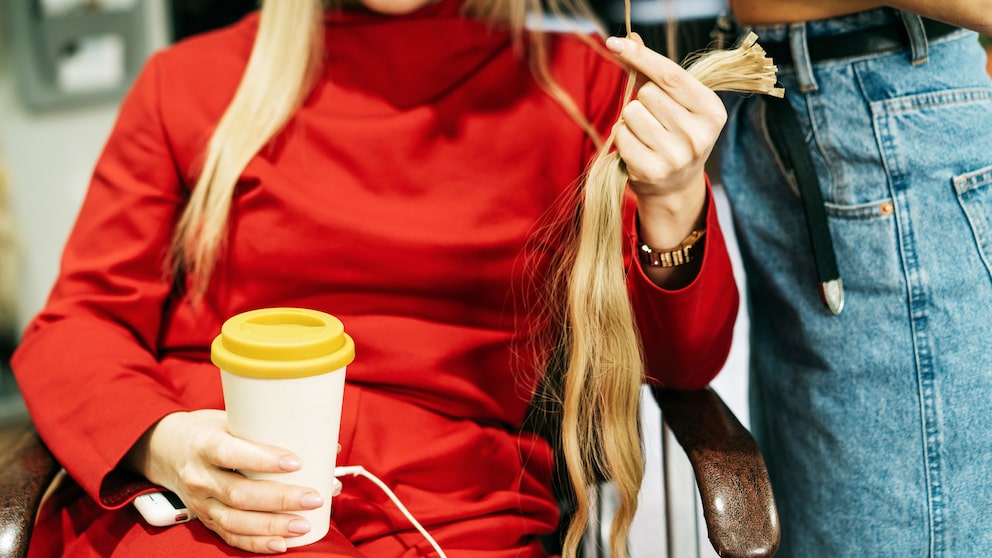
749 40
745 68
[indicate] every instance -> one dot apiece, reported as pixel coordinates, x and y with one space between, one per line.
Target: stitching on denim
974 179
919 299
862 211
974 192
920 101
820 138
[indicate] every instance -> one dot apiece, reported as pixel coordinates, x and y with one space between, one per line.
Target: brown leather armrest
26 470
738 505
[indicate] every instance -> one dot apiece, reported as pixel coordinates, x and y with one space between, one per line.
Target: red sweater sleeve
687 333
87 364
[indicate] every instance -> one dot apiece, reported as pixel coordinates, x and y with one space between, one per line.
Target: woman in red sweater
393 164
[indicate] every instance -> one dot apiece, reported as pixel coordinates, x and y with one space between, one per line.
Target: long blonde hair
600 397
280 72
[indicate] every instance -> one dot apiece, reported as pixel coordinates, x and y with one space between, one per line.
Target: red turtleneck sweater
404 197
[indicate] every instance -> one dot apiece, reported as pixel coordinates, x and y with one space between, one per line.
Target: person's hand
665 134
193 455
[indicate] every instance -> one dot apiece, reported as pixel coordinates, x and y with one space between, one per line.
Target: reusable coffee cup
282 371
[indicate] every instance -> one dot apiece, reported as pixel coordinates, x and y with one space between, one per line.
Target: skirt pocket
974 193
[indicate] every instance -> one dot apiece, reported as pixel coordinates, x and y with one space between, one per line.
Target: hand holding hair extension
744 69
658 148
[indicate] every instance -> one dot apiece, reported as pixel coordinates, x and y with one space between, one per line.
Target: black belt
787 136
863 42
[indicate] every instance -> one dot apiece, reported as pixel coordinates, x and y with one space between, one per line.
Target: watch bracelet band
681 254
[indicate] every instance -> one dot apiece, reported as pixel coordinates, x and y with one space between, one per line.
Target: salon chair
707 454
733 488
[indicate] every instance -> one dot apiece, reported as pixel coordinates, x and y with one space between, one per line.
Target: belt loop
917 37
800 57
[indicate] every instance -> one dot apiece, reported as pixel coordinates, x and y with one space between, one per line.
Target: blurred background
64 66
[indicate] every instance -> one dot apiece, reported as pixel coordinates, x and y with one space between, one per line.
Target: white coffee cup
283 371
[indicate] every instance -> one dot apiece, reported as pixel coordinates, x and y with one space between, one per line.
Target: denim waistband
831 26
797 37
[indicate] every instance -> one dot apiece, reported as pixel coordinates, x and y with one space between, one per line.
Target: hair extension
601 429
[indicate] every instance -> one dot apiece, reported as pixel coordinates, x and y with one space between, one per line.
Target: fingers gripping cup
282 371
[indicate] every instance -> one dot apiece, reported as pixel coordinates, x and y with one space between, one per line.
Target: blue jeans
876 424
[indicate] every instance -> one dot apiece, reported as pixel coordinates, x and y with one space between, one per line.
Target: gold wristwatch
681 254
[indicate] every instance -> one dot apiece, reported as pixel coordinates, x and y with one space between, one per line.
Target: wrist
141 458
666 221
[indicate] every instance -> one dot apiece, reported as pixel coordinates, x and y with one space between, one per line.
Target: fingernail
616 44
277 545
299 526
311 501
290 463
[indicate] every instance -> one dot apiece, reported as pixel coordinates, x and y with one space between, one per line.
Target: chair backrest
27 468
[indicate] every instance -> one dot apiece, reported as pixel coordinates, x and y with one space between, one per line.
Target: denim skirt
876 423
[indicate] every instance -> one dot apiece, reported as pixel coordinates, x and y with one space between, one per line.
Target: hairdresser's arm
664 137
973 14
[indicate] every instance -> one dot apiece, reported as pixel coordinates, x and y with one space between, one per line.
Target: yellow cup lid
282 343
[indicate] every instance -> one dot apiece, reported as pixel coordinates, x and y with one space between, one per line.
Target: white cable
358 470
